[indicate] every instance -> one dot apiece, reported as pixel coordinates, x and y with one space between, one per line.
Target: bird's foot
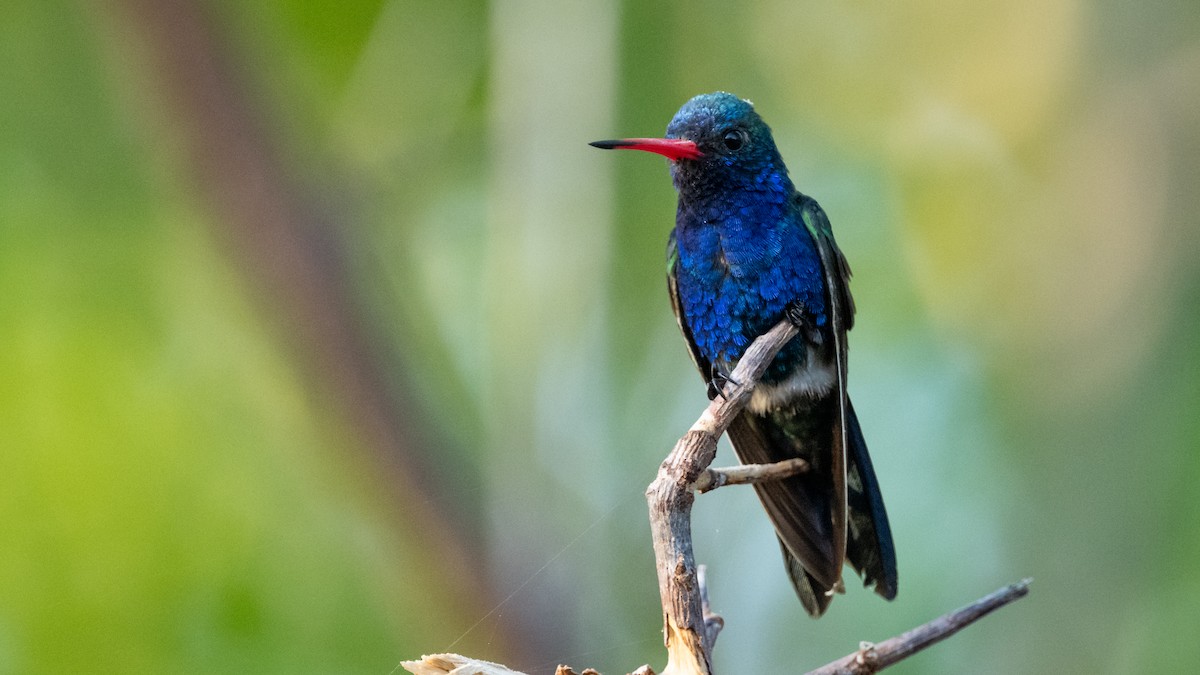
717 381
797 313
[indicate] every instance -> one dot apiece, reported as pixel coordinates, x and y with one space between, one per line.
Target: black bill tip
673 149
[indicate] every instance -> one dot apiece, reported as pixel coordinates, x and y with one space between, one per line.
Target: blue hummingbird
747 250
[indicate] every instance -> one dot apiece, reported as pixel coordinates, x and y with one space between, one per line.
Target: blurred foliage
1013 182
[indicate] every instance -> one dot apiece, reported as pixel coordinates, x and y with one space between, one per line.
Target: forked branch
690 628
670 498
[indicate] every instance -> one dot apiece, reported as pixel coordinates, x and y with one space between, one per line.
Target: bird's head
716 143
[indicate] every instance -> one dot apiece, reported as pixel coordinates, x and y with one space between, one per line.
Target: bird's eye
734 139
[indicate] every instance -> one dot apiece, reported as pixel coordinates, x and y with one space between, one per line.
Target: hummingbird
748 249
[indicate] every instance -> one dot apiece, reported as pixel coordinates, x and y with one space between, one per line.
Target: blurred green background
328 342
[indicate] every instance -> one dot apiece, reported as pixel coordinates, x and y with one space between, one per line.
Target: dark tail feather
799 506
869 546
814 596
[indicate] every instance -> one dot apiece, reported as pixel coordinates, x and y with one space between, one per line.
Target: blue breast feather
738 269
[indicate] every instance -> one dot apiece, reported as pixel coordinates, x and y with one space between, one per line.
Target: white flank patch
813 382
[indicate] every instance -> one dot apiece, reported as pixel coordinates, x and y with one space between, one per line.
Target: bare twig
713 623
874 658
743 474
670 498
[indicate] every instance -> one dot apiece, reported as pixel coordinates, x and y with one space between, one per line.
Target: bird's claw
717 381
797 313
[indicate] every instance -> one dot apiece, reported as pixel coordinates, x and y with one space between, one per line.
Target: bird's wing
673 287
841 318
837 270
